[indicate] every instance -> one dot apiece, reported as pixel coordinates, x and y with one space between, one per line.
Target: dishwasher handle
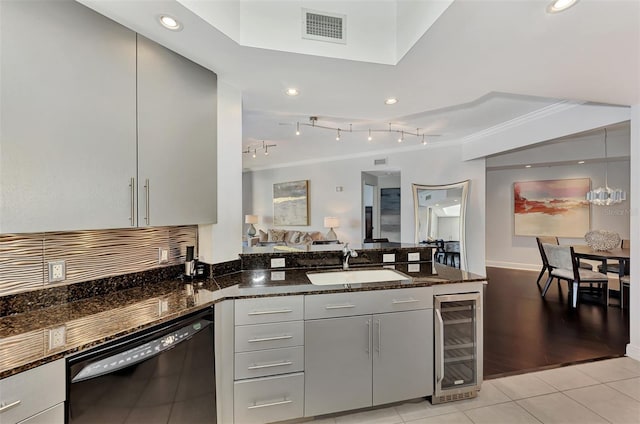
140 353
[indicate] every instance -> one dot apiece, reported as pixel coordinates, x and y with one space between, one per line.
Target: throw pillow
294 237
306 238
263 236
276 235
316 235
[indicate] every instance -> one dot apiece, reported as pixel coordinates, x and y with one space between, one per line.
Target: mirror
440 215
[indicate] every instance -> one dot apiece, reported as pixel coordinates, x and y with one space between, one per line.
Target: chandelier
605 196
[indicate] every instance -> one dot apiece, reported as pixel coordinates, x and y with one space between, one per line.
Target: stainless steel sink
356 276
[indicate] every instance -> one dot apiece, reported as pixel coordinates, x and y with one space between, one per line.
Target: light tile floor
598 392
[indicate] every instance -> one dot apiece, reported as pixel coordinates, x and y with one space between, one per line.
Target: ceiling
481 63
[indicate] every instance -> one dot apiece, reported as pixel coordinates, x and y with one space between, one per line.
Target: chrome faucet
346 254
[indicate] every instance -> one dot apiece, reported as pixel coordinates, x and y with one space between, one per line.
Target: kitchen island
93 314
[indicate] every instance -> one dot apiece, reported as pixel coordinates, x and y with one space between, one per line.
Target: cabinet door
402 355
177 133
337 364
68 118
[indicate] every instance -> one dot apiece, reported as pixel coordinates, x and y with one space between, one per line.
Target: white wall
506 250
222 241
434 165
448 228
633 348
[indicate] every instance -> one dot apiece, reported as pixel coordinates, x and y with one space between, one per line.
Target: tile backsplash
88 255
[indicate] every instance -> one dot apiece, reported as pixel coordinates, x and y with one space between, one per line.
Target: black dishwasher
162 375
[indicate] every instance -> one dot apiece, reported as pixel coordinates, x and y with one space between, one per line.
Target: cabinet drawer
268 309
32 391
53 415
404 299
269 362
269 399
339 305
269 336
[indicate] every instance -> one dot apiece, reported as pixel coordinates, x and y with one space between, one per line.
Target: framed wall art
551 208
291 203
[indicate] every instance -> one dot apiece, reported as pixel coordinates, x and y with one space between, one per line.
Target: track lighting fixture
313 123
254 149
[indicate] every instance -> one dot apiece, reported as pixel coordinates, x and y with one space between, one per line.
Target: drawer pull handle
397 302
279 364
4 407
276 311
340 306
269 339
264 405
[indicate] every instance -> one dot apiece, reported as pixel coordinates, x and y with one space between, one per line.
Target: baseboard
513 265
633 351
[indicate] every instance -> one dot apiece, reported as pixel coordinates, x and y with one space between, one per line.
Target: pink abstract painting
551 208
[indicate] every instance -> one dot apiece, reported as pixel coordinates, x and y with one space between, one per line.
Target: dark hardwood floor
524 332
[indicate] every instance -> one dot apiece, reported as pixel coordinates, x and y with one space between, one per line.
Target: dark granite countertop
107 315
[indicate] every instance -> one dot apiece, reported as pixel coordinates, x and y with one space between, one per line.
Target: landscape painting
290 203
551 208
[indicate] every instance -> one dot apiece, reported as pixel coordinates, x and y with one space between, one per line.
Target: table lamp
331 222
251 219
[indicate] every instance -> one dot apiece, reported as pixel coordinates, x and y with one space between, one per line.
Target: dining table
622 255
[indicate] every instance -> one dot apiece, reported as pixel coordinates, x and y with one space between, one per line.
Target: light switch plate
163 255
277 263
389 257
414 256
163 306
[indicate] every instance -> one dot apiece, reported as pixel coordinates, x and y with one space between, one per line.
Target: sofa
284 237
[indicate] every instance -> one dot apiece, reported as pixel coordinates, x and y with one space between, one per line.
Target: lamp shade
331 222
251 219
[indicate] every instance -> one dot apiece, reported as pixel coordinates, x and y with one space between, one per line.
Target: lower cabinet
360 361
34 396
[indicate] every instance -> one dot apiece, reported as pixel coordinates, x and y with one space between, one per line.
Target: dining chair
440 255
625 281
452 253
563 265
545 265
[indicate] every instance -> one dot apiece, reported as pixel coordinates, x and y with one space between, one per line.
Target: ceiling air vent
323 26
380 161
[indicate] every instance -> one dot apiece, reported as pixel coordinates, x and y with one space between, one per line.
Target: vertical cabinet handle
440 345
379 349
146 196
369 338
132 188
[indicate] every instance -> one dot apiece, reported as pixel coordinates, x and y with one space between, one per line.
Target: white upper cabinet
68 118
89 114
177 112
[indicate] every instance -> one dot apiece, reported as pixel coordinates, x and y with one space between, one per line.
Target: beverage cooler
458 347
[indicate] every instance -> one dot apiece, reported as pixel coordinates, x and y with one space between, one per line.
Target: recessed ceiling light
560 5
391 101
527 166
580 162
292 92
170 23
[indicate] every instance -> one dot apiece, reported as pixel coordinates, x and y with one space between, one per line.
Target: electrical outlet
57 337
388 257
163 255
57 271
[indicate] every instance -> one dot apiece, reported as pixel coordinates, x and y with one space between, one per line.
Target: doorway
381 195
